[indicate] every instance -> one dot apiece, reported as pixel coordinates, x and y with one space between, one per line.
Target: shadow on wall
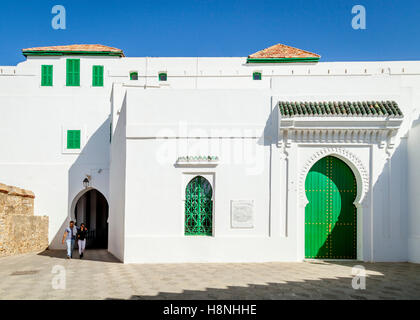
391 207
270 134
389 216
94 157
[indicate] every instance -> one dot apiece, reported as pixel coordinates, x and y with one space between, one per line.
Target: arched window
198 208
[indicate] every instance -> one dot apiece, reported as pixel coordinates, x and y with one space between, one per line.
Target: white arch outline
77 198
355 164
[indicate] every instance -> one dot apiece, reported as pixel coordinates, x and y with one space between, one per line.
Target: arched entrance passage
330 215
92 210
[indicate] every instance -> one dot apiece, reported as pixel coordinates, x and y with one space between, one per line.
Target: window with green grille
73 139
198 208
257 76
98 76
46 75
163 76
134 75
73 73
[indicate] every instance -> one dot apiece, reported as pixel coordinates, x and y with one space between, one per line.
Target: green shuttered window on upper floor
134 75
257 75
46 75
73 139
163 76
98 76
73 72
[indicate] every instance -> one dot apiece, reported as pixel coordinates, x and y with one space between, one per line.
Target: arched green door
198 207
330 215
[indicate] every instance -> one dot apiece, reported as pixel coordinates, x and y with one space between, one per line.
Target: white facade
212 107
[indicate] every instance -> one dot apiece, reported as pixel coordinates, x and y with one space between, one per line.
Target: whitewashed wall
32 123
32 120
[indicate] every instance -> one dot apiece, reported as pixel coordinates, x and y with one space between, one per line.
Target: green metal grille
330 215
198 208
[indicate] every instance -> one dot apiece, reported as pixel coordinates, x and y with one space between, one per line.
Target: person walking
70 237
81 239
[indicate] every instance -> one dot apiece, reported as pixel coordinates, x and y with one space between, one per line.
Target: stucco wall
117 187
413 192
33 118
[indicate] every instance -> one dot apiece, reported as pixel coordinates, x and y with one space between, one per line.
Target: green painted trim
280 60
71 53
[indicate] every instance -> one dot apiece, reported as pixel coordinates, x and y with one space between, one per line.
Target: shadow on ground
92 255
386 281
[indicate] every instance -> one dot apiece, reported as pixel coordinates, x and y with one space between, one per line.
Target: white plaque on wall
242 214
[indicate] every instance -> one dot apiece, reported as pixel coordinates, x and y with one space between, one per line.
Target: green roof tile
341 108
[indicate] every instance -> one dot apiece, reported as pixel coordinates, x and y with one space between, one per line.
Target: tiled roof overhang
76 49
364 122
341 109
281 53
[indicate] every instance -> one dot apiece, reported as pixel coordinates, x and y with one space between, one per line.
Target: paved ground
31 276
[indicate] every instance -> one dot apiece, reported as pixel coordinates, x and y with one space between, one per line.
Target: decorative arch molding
354 162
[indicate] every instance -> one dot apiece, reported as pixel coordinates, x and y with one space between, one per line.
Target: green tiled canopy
341 109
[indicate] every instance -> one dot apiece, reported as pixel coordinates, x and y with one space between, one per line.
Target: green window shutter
163 76
73 72
77 72
257 76
46 75
69 70
98 76
134 76
73 139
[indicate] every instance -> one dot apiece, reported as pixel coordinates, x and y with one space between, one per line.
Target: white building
274 157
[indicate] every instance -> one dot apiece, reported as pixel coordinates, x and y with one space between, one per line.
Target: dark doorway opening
92 210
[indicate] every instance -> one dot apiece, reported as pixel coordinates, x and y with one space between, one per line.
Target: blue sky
216 28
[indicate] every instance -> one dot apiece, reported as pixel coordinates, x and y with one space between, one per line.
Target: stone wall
20 230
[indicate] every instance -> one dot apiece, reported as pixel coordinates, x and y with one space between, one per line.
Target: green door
330 215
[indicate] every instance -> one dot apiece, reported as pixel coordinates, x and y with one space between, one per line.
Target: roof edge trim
281 60
70 53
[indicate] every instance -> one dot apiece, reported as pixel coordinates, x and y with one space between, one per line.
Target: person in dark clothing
81 239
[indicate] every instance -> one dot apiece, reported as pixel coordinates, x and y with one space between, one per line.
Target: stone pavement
30 276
